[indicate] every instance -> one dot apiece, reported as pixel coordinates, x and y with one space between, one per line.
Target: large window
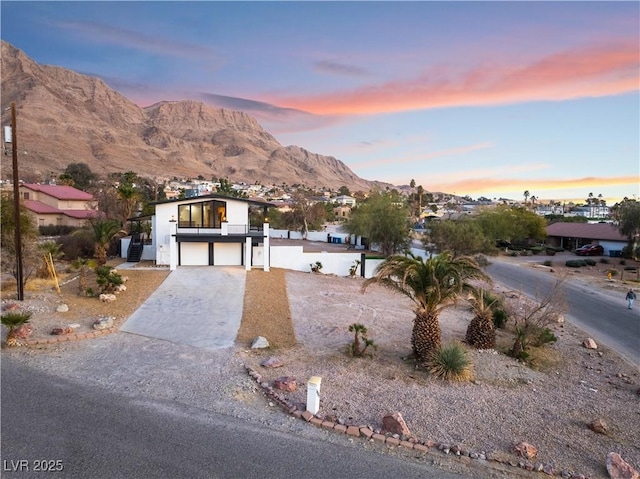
208 214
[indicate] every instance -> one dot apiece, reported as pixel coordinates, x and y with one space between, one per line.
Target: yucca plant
360 338
450 363
12 321
481 333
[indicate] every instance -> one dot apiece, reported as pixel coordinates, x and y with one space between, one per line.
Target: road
89 432
603 317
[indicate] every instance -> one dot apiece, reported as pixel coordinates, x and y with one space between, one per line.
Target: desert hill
64 117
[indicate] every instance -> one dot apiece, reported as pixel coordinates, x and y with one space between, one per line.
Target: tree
383 220
462 238
432 285
627 215
78 175
306 214
104 231
526 195
28 241
511 223
344 191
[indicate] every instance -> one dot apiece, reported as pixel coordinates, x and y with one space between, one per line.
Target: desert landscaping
575 407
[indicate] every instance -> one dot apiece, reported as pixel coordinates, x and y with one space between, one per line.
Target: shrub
575 263
500 318
537 249
450 362
359 339
604 260
353 269
315 268
623 262
543 336
590 262
76 246
55 230
548 263
107 279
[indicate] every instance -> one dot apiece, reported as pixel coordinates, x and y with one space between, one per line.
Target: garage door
227 254
194 254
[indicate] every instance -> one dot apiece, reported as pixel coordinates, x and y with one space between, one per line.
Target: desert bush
575 263
451 363
316 267
353 269
500 318
548 263
482 260
360 339
604 260
107 279
590 262
79 245
537 249
55 230
13 320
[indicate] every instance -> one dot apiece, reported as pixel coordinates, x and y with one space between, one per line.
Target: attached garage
194 254
227 254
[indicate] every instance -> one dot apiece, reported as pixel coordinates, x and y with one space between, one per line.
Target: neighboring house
573 235
345 200
209 230
58 205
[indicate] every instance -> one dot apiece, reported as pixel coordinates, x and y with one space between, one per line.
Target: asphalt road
602 316
82 431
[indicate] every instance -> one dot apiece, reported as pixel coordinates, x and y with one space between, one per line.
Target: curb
421 446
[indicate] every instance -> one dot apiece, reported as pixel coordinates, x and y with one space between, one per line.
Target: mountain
64 117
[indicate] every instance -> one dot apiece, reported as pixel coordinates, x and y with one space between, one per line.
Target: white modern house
209 230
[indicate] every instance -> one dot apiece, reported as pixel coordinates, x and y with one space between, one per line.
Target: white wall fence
294 258
323 236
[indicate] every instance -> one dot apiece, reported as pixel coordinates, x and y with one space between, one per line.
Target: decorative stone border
64 338
423 446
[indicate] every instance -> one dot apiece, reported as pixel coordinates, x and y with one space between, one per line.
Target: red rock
526 450
394 423
618 468
286 383
23 331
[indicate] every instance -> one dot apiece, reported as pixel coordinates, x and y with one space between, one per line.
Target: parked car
590 250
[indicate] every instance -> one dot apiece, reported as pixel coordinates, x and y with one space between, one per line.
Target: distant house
346 200
208 230
58 205
573 235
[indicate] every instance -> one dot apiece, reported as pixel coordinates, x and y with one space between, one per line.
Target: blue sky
472 98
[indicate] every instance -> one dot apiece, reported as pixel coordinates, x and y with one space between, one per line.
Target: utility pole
16 204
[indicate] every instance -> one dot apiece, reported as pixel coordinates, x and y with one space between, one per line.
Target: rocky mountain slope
64 117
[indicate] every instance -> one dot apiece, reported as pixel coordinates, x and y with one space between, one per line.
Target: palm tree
432 285
104 231
481 333
128 196
526 196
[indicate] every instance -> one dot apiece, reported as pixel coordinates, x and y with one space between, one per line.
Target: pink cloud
583 72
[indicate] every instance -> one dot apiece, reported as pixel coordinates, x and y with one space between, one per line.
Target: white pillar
224 229
313 394
247 254
173 246
265 242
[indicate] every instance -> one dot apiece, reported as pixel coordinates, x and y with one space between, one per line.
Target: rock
260 343
62 308
120 288
9 307
618 468
286 383
394 423
526 450
105 322
560 319
61 331
23 331
589 344
599 426
107 298
271 363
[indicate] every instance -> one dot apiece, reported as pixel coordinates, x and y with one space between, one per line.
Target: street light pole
16 204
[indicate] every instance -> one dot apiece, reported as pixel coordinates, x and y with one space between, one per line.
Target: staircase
134 253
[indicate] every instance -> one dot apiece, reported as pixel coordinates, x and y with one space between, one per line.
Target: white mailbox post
313 394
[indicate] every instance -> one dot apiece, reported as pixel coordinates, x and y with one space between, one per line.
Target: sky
485 99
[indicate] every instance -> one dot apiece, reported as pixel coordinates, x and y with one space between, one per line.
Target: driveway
196 305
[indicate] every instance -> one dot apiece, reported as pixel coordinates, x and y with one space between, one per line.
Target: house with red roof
58 205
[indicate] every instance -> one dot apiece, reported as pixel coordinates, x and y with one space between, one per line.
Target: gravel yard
306 318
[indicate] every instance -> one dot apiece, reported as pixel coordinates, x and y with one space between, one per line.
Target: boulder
107 298
286 383
271 363
62 308
589 344
526 450
618 468
260 343
394 423
600 426
23 331
105 322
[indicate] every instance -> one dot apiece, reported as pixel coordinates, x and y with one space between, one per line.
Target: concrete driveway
196 305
